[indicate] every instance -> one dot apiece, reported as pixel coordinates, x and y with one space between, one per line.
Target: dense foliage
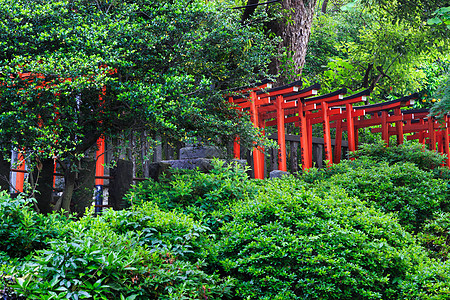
291 242
200 195
329 234
22 229
374 45
143 253
96 67
411 152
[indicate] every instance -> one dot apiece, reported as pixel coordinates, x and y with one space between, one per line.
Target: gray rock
278 174
200 152
156 169
203 164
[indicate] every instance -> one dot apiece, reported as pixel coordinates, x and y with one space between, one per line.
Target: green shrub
431 281
435 235
290 242
197 194
140 254
166 231
408 152
22 229
413 194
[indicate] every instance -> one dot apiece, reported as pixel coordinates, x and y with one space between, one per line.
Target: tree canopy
386 46
103 67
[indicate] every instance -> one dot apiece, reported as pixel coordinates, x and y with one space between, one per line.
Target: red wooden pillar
236 148
100 161
326 134
421 133
262 157
20 176
281 135
258 169
440 141
338 144
446 141
384 127
399 127
431 133
350 128
304 147
309 141
236 144
100 153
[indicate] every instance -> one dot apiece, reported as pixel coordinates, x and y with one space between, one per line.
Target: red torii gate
290 104
99 171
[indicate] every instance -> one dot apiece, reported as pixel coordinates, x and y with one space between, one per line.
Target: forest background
373 228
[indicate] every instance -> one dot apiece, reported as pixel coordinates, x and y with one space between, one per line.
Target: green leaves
442 16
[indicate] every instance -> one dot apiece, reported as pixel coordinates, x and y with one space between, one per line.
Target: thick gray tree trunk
295 30
4 173
43 178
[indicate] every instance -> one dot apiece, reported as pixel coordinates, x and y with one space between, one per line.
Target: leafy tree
441 19
291 21
92 68
378 45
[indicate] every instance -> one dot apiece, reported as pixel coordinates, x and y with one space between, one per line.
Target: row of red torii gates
278 106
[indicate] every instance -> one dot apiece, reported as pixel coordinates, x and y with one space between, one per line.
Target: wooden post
350 128
318 155
446 141
431 133
262 157
20 176
326 133
5 167
294 157
421 133
100 160
120 184
281 135
338 145
257 167
440 141
309 141
399 126
304 147
384 127
273 159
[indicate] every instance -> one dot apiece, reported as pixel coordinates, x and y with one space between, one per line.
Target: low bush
413 194
291 242
408 152
141 254
162 230
22 229
200 195
435 235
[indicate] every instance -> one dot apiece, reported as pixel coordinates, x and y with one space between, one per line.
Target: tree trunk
324 6
120 184
84 186
5 167
43 177
69 186
295 29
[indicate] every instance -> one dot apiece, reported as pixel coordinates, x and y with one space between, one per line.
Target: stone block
200 152
278 174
